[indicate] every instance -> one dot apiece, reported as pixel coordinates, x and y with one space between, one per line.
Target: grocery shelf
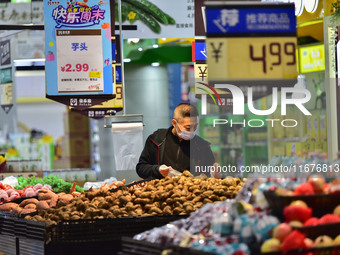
256 143
287 139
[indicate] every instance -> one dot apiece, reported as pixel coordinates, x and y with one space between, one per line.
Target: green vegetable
146 6
145 18
58 185
124 13
170 19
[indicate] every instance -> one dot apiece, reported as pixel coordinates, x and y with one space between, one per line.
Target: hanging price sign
78 52
251 44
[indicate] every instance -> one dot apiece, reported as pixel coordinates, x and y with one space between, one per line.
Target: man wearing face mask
177 147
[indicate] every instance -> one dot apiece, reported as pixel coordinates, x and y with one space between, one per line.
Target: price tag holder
78 51
251 44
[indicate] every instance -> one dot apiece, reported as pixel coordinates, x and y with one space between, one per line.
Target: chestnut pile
177 195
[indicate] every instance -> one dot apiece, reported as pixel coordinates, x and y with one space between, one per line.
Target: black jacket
153 154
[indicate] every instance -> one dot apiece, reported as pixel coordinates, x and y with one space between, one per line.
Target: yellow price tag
255 58
312 58
118 101
95 74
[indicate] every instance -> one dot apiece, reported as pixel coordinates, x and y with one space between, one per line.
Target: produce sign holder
320 203
136 247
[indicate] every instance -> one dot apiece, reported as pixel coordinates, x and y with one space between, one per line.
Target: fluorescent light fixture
140 49
127 60
155 64
30 62
155 46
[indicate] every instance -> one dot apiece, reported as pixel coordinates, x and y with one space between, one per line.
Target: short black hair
183 110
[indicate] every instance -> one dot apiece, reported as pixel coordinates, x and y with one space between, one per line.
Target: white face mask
185 135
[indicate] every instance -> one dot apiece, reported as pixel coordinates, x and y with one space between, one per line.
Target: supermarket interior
169 127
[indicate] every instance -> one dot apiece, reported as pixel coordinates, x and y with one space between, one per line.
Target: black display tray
131 246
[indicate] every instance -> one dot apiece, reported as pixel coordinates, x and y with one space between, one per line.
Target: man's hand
164 170
216 171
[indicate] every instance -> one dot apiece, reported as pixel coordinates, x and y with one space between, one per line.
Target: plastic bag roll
127 144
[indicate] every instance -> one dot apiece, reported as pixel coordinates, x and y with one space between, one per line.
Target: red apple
304 189
282 231
294 241
329 218
311 222
296 212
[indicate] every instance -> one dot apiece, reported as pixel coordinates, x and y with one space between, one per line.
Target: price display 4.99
255 58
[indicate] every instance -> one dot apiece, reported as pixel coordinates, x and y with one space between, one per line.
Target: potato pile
177 195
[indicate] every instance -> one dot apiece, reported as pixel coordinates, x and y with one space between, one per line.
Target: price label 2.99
252 58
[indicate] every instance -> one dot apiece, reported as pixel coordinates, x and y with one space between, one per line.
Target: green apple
271 245
296 224
337 210
323 241
299 203
336 241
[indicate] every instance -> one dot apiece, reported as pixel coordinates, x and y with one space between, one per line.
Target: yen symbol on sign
217 51
203 73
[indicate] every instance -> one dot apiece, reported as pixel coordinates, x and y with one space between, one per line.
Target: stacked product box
75 144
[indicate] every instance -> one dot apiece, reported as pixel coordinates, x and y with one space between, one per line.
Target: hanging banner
264 35
158 18
78 51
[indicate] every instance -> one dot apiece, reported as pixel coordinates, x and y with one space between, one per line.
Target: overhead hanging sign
78 49
5 52
264 36
312 58
158 18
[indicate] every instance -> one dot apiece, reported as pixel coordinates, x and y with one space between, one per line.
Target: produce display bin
76 236
313 232
8 245
321 204
335 250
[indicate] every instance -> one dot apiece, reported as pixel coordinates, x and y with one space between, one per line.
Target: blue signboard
200 51
257 19
78 48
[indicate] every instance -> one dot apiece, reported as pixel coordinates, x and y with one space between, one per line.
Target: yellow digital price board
252 58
